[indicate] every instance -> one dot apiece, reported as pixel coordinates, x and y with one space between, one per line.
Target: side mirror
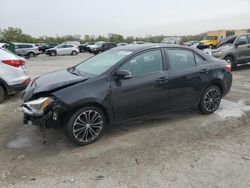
123 74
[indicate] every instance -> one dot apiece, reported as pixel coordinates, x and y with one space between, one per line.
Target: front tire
86 125
53 53
210 100
2 94
74 52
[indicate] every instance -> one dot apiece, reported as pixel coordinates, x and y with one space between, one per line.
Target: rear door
188 77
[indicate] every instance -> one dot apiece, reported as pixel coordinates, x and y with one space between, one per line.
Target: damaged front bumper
44 112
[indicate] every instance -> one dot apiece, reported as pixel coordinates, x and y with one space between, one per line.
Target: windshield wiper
75 71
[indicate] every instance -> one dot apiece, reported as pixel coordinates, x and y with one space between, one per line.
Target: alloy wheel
212 99
87 126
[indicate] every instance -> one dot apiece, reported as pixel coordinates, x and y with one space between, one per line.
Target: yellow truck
208 41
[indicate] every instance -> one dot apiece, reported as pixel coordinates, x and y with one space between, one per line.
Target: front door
243 49
144 93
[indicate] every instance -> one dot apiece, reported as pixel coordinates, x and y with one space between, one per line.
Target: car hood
227 40
51 81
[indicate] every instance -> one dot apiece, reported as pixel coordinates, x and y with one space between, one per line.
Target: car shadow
29 139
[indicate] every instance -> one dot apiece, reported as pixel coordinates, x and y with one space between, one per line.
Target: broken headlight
36 107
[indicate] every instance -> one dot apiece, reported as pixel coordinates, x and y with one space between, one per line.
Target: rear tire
2 94
74 52
210 100
31 54
85 125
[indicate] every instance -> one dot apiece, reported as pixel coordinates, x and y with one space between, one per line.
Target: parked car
63 49
172 40
103 47
26 49
224 43
235 50
13 74
83 47
125 83
45 47
122 44
91 46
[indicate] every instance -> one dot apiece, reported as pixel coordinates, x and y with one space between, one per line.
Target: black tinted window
180 59
144 63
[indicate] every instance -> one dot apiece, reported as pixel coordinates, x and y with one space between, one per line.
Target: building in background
226 33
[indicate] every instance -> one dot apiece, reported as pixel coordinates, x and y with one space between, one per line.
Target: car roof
139 47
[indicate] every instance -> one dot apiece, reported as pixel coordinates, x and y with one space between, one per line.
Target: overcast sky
127 17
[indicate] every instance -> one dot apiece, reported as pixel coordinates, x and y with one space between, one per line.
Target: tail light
14 63
228 68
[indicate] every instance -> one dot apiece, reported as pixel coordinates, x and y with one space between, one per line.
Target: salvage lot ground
179 149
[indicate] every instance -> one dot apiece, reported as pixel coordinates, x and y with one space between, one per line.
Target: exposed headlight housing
36 107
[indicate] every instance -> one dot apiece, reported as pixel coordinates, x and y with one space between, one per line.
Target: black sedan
125 83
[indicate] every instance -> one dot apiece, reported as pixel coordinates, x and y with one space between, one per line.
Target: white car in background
63 49
13 74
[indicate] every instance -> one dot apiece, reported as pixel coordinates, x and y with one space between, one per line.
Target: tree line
12 34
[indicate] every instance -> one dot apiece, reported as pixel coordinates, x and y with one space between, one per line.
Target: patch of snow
19 142
230 109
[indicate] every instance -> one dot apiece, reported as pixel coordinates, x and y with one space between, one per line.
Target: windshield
102 62
208 38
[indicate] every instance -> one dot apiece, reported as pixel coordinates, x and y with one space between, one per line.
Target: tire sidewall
53 53
202 107
31 54
71 119
2 94
74 52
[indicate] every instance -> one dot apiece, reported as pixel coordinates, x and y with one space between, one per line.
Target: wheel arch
219 84
230 55
101 106
4 86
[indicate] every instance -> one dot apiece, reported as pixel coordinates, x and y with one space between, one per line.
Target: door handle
162 80
204 71
248 46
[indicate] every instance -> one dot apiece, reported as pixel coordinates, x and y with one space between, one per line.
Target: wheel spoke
87 126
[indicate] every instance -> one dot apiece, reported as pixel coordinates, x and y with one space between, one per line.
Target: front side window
180 59
145 63
242 40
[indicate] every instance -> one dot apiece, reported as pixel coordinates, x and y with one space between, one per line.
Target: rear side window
180 59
